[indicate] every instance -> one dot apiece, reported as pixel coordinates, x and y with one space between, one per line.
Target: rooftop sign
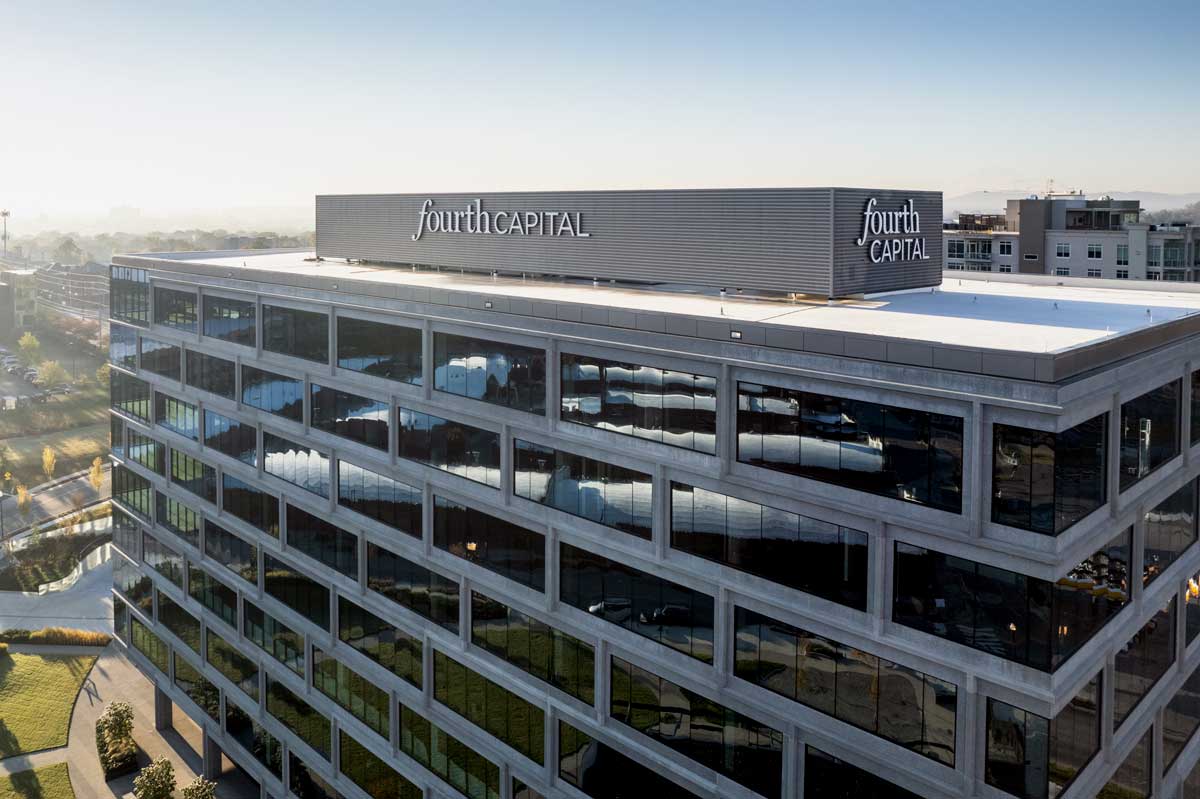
901 226
474 219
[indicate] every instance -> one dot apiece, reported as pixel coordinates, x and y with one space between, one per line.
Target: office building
1068 235
727 493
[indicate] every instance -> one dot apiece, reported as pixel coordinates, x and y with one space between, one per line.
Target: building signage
474 219
892 236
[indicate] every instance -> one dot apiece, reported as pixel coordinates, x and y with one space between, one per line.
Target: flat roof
999 313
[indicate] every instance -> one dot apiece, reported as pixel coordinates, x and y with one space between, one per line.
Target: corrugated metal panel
853 272
771 239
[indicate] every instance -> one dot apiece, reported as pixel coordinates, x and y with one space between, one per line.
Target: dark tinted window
240 557
491 371
122 346
129 296
533 646
252 505
1142 661
490 706
1046 482
908 707
149 644
451 446
323 542
388 645
827 777
366 701
182 624
605 493
146 452
127 533
302 334
1149 432
131 490
460 765
296 590
808 554
212 374
273 637
410 585
161 358
231 437
501 546
162 559
197 688
175 308
1132 780
252 737
229 320
676 408
344 414
1170 530
213 594
178 518
895 452
130 395
1181 718
298 464
196 476
381 498
267 391
1195 411
389 351
116 433
177 415
658 609
1008 614
603 772
373 775
298 716
134 584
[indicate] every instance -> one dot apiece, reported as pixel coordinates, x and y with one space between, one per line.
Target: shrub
157 781
56 635
114 741
199 788
3 649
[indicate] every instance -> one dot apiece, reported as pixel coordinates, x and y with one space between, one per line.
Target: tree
30 349
117 721
199 788
68 252
51 374
24 502
156 781
49 461
96 473
102 375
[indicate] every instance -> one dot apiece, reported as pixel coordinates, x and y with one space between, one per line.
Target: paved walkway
87 605
115 678
55 500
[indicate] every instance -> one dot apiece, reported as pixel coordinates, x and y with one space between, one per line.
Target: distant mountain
993 201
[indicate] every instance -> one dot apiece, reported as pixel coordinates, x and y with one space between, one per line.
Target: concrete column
553 386
427 358
973 725
552 576
507 466
977 461
726 419
162 710
722 637
1185 431
211 768
660 511
1114 457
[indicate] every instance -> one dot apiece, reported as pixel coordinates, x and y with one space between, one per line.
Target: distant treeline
1188 213
74 248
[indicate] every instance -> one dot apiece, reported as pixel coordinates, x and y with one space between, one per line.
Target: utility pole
4 214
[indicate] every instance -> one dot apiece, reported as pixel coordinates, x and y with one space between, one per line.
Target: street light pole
4 214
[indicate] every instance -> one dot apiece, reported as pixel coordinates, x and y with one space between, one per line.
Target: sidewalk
87 605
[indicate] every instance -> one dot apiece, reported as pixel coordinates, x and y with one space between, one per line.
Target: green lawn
86 406
75 450
47 782
37 693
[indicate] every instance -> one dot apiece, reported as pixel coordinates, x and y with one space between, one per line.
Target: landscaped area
74 449
37 693
47 561
48 782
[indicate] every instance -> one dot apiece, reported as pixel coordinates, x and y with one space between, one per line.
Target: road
54 501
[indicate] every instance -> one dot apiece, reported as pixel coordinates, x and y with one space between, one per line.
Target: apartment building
664 493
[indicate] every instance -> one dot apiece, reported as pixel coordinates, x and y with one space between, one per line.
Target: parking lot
13 387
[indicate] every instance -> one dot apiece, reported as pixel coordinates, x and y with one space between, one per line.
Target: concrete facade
1041 399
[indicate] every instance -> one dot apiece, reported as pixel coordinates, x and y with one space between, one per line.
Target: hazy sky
166 107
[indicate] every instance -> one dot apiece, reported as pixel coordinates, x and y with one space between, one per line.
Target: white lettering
474 219
903 222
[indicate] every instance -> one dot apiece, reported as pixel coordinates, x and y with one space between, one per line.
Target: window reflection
603 772
273 393
161 358
230 320
177 415
252 505
382 350
297 590
130 396
381 498
231 437
348 415
129 296
301 334
297 464
508 549
323 542
1142 661
175 308
451 446
413 586
1149 432
1170 530
491 371
212 374
490 706
389 646
827 777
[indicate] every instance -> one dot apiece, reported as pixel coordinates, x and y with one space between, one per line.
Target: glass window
495 544
827 777
150 645
736 746
273 393
670 407
177 518
1149 432
302 334
232 664
348 415
451 446
175 308
237 439
467 771
146 452
1170 530
1132 779
194 475
615 496
162 559
179 622
1011 615
382 350
136 586
413 586
130 395
1192 615
603 772
492 371
229 320
1046 482
232 552
161 358
1142 660
197 688
808 554
1181 718
273 637
252 737
388 645
366 770
658 609
915 456
131 490
381 498
366 701
308 784
127 533
122 346
1122 255
533 646
298 464
489 706
213 594
116 436
297 590
212 374
325 543
305 721
252 505
129 296
177 415
915 710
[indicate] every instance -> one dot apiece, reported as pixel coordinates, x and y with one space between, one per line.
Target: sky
181 110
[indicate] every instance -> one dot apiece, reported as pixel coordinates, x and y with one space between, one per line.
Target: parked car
667 615
58 391
616 609
29 375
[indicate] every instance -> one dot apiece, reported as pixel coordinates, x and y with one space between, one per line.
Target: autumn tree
49 461
96 473
29 349
51 374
